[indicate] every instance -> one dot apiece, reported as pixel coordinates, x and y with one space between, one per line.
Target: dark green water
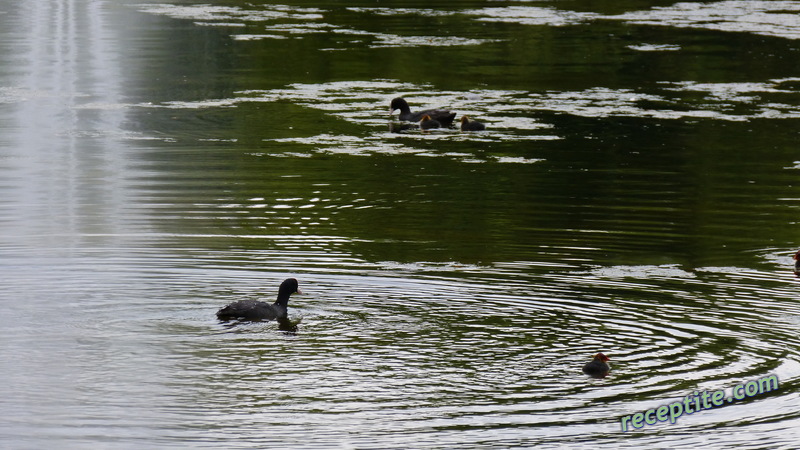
635 193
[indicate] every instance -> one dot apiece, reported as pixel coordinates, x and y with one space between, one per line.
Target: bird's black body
443 116
256 310
597 367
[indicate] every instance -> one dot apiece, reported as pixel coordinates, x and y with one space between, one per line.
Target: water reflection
64 164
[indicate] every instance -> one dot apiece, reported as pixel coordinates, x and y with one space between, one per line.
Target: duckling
471 125
427 123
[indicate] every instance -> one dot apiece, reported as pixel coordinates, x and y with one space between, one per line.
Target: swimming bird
471 125
797 263
444 116
597 367
427 123
256 310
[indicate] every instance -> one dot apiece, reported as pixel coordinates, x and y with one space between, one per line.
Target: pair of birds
256 310
433 118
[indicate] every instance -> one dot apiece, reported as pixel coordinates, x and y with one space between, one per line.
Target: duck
256 310
426 123
471 125
796 258
597 367
443 116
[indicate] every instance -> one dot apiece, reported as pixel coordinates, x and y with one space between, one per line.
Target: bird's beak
299 292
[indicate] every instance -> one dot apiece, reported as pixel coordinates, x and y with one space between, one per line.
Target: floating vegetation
510 115
531 15
642 272
228 16
768 18
654 47
366 102
224 15
402 11
257 37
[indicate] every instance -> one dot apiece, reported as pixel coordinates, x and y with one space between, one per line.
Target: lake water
636 192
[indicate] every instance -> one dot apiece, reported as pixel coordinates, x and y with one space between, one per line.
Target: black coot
256 310
597 367
443 116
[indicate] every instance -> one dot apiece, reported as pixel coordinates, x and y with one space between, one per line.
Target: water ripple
428 348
